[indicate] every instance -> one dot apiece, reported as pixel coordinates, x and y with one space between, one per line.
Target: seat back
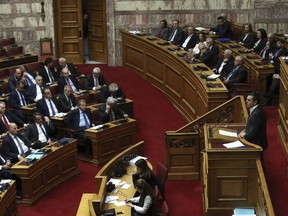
165 209
35 66
7 42
162 172
46 47
12 51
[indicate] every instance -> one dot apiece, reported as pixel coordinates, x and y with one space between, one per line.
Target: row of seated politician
17 144
200 46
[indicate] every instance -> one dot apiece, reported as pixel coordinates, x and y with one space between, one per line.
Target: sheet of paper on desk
214 76
235 144
35 156
116 182
60 115
122 203
111 199
244 211
3 181
200 28
227 133
126 186
133 161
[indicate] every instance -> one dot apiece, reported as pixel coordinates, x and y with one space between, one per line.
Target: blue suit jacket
42 107
72 120
14 99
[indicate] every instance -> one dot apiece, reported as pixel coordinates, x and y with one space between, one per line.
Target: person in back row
248 37
69 66
67 79
223 28
177 35
48 72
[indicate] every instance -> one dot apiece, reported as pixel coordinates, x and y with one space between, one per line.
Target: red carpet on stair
155 114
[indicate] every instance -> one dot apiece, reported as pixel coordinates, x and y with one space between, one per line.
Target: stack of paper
133 161
244 212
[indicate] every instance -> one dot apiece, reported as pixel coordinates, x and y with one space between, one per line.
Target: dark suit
32 134
238 75
64 103
89 82
210 56
4 173
71 68
257 49
163 33
72 120
107 117
228 66
256 128
9 147
249 40
42 107
179 37
62 83
12 82
11 118
223 30
14 99
43 72
105 93
32 91
191 43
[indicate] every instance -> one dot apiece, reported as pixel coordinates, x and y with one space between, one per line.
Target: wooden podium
232 177
48 172
8 201
108 142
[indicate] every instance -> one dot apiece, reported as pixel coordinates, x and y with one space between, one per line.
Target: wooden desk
283 109
18 60
109 142
172 75
101 178
48 172
232 177
254 70
8 201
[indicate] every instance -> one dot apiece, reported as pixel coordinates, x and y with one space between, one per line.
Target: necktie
23 99
277 53
86 120
52 108
3 160
5 121
112 115
30 83
96 82
44 132
50 75
22 153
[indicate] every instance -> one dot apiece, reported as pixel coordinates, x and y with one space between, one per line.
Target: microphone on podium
218 125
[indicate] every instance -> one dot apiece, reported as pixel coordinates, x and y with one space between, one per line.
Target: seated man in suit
69 66
237 74
114 91
16 77
67 79
79 120
223 28
15 145
5 167
95 81
6 117
48 105
67 100
110 111
27 77
40 132
35 91
225 64
191 40
210 56
280 50
177 35
19 98
48 72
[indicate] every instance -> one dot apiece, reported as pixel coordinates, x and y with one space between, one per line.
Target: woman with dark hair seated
144 172
163 31
261 41
143 204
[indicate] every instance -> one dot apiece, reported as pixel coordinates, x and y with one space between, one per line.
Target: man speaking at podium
255 131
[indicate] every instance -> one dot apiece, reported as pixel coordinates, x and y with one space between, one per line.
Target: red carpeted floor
155 115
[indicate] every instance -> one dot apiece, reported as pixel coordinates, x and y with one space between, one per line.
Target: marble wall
21 18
